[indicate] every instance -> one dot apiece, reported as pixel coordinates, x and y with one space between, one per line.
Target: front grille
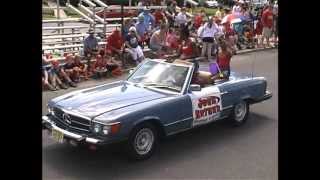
78 124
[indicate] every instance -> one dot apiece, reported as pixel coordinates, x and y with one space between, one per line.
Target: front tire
142 142
240 113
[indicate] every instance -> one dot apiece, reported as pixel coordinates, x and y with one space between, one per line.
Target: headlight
97 128
112 128
50 110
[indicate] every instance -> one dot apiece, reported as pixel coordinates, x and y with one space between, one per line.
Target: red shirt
187 49
172 41
224 60
158 16
101 62
258 29
115 41
197 21
267 18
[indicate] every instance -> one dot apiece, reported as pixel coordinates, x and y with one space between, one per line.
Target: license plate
57 136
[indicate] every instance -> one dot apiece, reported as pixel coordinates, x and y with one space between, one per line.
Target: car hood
96 101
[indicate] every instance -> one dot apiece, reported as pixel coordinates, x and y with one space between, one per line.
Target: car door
206 105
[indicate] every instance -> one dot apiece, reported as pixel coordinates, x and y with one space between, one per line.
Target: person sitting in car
224 58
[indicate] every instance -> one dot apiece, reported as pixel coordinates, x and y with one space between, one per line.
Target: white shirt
209 32
181 18
236 9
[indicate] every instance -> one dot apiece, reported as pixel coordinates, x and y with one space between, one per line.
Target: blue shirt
90 43
141 28
148 18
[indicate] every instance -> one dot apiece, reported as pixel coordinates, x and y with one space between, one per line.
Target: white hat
132 28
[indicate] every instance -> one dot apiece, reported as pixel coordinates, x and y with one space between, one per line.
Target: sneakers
51 88
63 86
72 84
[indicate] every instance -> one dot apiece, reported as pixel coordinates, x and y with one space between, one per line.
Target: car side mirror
195 87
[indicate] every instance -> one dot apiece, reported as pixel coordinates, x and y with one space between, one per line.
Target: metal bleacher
68 37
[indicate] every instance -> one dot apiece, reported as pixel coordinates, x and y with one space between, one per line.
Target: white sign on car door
206 105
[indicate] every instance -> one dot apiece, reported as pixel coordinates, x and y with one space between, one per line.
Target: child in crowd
110 64
57 76
70 69
189 49
100 66
45 76
249 36
82 68
172 40
230 37
258 32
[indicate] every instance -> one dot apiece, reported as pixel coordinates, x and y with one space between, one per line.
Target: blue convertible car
158 99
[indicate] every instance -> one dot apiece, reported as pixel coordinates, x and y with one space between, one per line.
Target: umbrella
229 18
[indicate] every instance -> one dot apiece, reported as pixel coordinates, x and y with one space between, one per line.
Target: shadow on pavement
111 162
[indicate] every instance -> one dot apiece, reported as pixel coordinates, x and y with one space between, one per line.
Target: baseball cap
132 28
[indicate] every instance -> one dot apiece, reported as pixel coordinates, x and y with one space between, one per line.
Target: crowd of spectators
169 33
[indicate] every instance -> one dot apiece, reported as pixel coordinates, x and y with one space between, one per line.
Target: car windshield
153 74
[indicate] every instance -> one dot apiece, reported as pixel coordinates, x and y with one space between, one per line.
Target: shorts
155 47
266 32
136 53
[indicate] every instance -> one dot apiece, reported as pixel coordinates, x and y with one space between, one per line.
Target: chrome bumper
266 96
47 122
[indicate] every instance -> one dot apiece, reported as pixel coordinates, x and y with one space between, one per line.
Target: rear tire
142 142
239 113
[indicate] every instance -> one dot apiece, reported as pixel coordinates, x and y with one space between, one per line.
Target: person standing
267 23
219 13
207 35
90 46
148 18
181 18
275 22
171 12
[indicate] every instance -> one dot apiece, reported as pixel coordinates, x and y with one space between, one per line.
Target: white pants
207 47
136 53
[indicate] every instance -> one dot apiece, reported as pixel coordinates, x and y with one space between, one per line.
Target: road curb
253 50
240 52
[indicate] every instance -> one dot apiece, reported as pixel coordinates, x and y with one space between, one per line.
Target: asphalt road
216 151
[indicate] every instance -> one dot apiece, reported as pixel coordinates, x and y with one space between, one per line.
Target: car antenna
252 65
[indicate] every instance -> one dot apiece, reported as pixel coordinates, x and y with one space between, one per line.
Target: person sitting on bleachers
58 75
158 40
81 67
172 40
70 69
132 45
45 76
111 65
99 67
90 44
114 44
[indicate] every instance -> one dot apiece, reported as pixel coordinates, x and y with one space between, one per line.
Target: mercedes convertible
158 99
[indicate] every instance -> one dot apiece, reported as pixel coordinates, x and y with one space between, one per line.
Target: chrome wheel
143 141
240 111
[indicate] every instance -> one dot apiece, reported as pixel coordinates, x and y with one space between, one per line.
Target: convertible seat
204 78
184 62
